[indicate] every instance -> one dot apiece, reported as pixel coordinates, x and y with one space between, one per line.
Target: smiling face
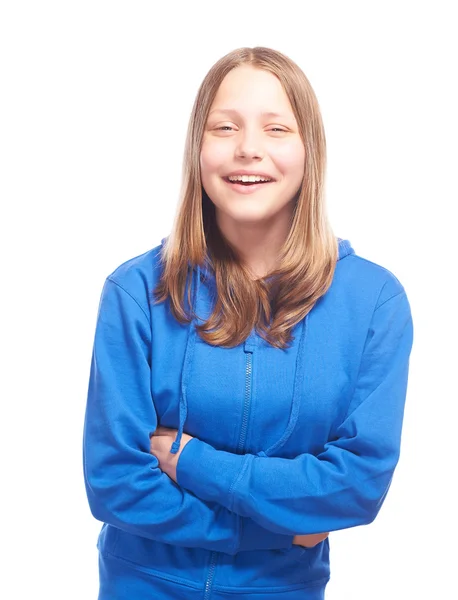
251 130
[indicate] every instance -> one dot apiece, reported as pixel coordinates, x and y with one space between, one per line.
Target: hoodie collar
345 248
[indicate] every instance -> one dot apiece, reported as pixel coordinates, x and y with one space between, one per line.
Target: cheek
213 157
289 158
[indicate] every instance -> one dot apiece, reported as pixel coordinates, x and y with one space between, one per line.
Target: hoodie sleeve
124 484
346 484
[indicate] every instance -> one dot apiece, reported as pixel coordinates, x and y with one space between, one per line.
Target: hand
160 443
309 540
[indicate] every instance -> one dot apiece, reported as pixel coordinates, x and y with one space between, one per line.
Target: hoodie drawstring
186 372
297 392
188 357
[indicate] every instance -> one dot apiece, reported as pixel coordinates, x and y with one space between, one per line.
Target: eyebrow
232 111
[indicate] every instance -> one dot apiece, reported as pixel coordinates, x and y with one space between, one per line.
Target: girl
249 374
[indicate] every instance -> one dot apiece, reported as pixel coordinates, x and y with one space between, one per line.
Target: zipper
246 406
249 347
211 574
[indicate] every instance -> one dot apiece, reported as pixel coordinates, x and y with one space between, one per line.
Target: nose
249 145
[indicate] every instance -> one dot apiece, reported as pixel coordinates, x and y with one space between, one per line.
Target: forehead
247 89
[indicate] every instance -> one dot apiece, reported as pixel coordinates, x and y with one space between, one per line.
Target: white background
95 99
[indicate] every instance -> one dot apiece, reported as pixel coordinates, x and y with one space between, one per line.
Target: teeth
248 178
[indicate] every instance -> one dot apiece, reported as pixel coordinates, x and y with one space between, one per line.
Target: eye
229 128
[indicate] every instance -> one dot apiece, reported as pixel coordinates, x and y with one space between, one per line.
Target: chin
248 214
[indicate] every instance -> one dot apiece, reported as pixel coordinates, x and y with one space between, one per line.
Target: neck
257 244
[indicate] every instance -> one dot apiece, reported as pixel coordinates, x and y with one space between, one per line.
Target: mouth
247 187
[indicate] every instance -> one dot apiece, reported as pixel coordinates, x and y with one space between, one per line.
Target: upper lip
245 172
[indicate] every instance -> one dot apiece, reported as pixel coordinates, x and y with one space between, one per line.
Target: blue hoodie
297 441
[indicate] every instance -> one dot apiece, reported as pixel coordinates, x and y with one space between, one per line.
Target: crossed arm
161 441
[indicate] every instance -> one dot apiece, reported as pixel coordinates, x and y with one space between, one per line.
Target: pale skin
251 126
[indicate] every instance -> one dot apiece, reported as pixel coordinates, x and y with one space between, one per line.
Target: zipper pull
251 342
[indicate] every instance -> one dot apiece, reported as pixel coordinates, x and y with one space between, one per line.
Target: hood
344 249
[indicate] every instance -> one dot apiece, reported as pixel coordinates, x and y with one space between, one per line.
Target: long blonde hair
274 304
